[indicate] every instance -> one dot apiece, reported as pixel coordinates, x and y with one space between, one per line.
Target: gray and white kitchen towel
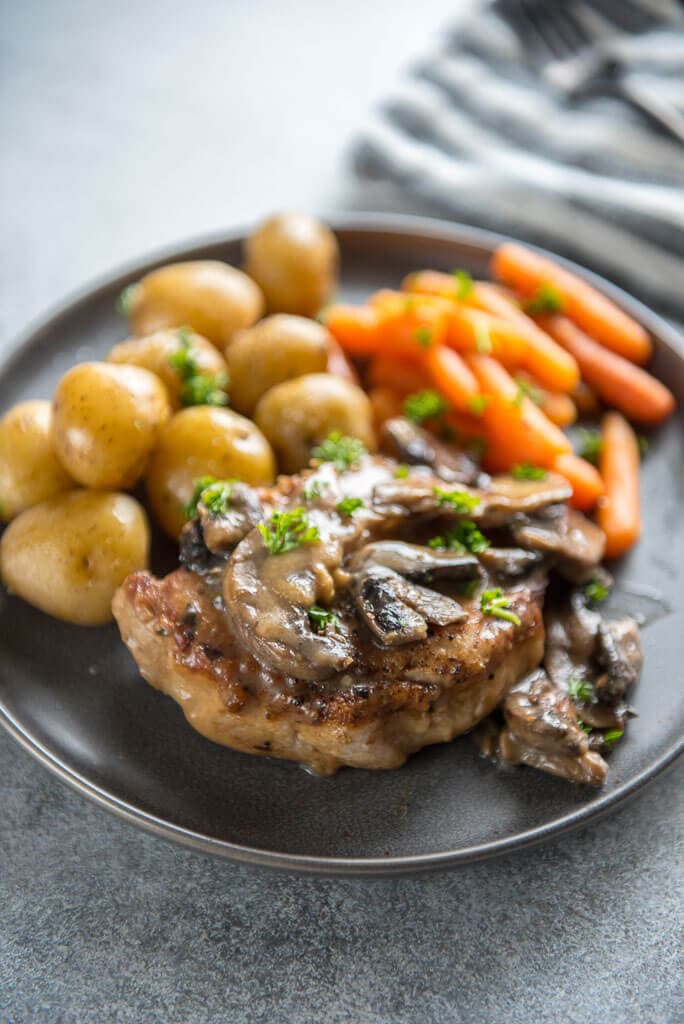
475 133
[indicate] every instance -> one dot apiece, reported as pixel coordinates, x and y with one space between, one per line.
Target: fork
572 47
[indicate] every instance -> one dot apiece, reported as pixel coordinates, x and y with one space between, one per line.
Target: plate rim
371 223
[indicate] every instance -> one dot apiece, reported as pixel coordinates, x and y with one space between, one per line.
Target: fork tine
538 19
561 21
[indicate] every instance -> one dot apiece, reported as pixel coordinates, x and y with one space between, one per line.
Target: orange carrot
385 404
585 480
619 383
540 355
408 325
435 282
471 330
355 328
403 376
619 513
586 400
527 271
516 429
338 364
451 377
559 408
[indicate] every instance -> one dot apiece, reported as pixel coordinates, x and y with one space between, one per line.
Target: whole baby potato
294 258
203 441
105 422
276 349
213 298
297 414
68 555
167 353
30 471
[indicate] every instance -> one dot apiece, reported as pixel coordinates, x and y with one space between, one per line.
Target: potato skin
154 353
69 554
30 471
278 348
213 298
203 441
105 422
294 258
297 414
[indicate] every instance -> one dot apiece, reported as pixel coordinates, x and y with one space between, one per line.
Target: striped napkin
476 135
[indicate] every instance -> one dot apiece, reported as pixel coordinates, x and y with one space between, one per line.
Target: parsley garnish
590 444
314 490
478 404
526 471
493 602
212 493
124 303
343 452
459 501
348 506
321 618
596 591
546 299
579 690
287 530
483 342
425 405
464 536
401 472
584 727
464 283
197 388
423 336
527 390
611 736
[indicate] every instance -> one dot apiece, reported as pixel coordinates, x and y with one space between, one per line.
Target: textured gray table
127 126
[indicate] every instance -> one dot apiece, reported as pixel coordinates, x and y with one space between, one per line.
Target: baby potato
30 471
203 441
297 414
105 422
213 298
276 349
294 258
68 555
157 351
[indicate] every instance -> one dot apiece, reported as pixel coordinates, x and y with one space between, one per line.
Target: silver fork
572 47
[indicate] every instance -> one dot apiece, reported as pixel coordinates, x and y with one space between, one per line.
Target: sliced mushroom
398 612
509 562
576 543
571 632
542 730
619 652
224 530
417 447
415 562
194 554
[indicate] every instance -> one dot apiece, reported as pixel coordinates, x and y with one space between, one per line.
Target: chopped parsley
124 303
401 472
463 537
596 591
459 501
581 690
212 493
464 283
343 452
197 388
287 530
546 299
314 490
611 736
478 404
590 444
423 336
584 727
321 618
527 390
348 506
526 471
425 405
483 341
493 602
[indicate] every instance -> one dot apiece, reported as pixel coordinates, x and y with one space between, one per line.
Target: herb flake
464 283
212 493
344 452
197 388
425 405
321 618
546 299
458 501
285 531
462 537
590 444
579 689
526 471
596 591
496 604
348 506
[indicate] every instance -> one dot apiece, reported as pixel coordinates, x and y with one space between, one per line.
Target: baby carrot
559 408
355 328
585 480
408 325
451 377
471 330
619 383
528 271
403 376
619 513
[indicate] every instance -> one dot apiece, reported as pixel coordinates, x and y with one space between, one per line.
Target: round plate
74 699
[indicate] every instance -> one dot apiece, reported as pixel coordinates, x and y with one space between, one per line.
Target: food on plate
294 258
355 613
68 555
106 420
198 442
30 471
192 369
278 348
299 413
426 567
213 298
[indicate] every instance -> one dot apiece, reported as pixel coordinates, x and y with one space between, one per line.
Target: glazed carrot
451 377
471 330
403 376
355 328
619 514
559 408
553 367
585 480
516 429
586 400
619 383
408 325
338 364
385 404
455 287
527 271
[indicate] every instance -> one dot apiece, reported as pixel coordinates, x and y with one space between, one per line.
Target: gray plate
74 699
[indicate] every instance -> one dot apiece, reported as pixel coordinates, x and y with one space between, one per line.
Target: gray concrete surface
126 126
